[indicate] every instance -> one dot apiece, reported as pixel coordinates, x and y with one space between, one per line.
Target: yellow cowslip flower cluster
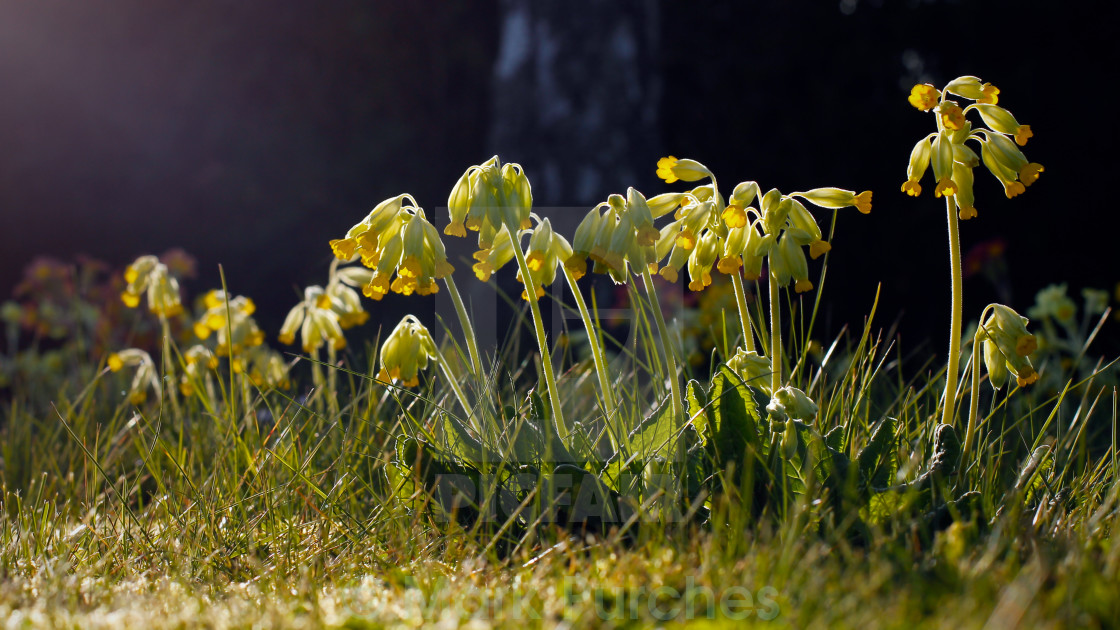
145 377
200 362
235 328
406 351
708 229
396 238
267 369
487 197
953 160
148 275
323 314
618 233
1007 346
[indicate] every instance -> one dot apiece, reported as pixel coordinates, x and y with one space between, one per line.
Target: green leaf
876 461
655 434
697 400
734 419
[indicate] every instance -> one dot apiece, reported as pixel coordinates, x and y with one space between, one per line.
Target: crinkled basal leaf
734 418
876 461
654 436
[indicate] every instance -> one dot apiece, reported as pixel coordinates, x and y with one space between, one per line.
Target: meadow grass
278 514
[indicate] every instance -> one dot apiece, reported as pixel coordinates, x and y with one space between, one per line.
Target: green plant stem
332 379
949 411
974 398
744 313
610 407
677 405
170 386
775 333
542 338
465 322
459 395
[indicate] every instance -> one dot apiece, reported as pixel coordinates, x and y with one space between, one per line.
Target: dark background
251 133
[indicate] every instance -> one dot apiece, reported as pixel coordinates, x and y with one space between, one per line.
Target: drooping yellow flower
952 117
316 320
145 378
406 351
147 275
672 169
1029 173
488 196
924 96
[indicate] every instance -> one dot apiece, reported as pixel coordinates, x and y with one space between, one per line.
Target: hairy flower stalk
952 161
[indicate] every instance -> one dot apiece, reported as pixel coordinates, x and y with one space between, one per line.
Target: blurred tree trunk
575 95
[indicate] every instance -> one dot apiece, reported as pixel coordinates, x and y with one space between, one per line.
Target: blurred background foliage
249 133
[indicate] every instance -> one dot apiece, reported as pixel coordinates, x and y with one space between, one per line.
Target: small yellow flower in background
145 377
406 351
147 275
671 169
924 97
237 334
316 320
267 369
1053 302
200 361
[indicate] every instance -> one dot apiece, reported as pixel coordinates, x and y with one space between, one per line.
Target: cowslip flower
952 159
400 245
233 324
488 196
1006 347
147 275
671 169
924 97
1053 302
145 377
752 367
200 362
267 369
316 320
791 403
406 351
547 250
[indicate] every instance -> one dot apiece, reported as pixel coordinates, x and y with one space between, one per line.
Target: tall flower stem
744 312
459 395
542 338
610 408
169 367
775 333
949 411
465 322
332 379
677 405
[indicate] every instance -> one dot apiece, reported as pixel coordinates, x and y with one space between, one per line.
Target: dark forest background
250 133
